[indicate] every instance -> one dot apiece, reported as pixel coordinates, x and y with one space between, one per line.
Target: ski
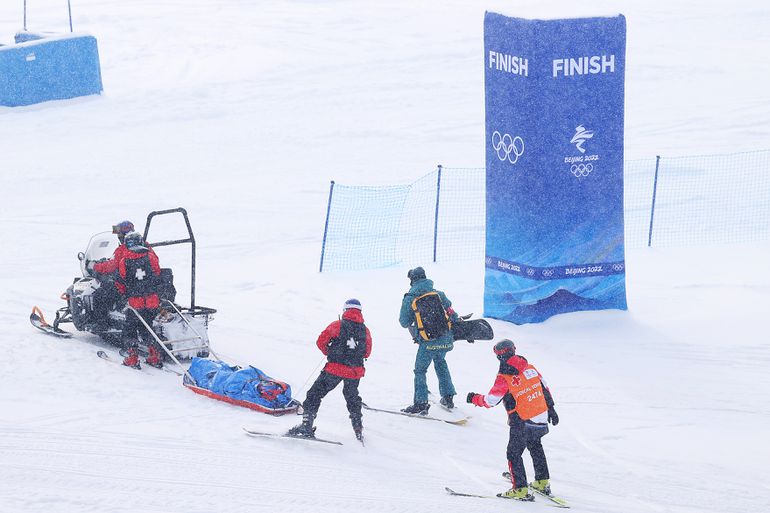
165 367
480 496
458 422
276 435
556 500
106 357
38 321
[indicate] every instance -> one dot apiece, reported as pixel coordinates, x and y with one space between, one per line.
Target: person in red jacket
346 344
138 280
530 408
106 297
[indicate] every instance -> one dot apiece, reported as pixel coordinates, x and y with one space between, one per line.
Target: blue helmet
352 303
122 228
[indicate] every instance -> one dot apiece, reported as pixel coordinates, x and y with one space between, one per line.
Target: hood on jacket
421 287
351 314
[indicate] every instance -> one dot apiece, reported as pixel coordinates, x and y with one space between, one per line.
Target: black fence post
654 193
326 227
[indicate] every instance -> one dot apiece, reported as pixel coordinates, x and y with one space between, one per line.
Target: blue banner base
562 301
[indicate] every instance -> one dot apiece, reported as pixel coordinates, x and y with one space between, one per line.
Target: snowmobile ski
458 422
38 321
276 435
480 496
556 500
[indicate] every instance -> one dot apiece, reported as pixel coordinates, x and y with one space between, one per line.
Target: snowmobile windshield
100 247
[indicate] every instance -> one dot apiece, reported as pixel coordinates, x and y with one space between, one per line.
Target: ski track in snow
242 112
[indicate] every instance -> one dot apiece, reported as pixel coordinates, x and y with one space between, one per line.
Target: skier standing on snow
138 280
428 315
346 343
530 407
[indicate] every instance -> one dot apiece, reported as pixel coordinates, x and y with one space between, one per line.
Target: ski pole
302 389
160 343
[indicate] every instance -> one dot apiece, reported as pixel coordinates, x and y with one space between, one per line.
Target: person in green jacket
428 315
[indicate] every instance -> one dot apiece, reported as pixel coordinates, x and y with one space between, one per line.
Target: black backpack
430 315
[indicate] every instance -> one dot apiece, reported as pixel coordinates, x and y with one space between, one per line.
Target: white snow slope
242 112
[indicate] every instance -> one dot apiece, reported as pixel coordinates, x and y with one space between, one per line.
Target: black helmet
133 240
504 349
418 273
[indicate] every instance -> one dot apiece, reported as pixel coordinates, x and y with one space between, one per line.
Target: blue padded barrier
41 68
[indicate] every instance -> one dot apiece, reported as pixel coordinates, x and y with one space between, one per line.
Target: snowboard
473 329
457 422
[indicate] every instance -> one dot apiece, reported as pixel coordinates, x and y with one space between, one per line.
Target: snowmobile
93 304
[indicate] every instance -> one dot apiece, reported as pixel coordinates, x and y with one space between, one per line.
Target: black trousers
105 299
326 383
526 436
134 330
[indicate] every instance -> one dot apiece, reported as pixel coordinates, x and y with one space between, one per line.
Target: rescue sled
246 387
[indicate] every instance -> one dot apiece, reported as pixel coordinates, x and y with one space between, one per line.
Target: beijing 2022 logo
581 165
507 147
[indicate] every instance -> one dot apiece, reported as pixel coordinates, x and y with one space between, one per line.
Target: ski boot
417 409
520 494
305 429
132 359
358 427
542 486
154 358
447 402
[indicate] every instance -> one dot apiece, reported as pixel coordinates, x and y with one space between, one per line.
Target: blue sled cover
248 387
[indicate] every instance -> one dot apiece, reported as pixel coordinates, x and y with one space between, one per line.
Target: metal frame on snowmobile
193 309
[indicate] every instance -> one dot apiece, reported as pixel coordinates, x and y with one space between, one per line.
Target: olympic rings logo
581 169
617 267
507 147
547 273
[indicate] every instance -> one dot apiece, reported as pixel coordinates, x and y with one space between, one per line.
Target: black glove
90 267
470 397
553 417
471 341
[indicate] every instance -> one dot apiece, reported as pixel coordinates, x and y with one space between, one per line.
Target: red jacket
333 331
512 376
111 265
144 300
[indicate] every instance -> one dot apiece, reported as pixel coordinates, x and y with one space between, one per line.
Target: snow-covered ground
242 112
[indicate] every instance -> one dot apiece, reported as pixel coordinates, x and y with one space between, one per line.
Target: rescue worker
346 343
107 296
530 408
428 315
138 280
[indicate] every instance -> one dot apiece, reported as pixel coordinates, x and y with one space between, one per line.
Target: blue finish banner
554 158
